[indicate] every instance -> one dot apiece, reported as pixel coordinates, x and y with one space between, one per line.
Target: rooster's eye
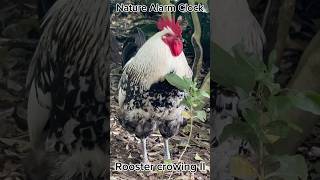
168 35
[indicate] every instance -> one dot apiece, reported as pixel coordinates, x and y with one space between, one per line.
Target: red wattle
175 45
176 48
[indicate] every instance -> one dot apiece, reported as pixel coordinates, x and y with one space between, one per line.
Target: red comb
166 22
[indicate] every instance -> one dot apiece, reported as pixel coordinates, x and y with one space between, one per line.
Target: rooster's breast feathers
146 99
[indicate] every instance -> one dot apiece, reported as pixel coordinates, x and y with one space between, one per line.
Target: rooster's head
172 36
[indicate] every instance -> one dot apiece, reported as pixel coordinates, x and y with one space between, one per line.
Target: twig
199 144
189 138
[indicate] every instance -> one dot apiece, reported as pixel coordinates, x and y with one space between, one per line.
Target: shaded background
19 33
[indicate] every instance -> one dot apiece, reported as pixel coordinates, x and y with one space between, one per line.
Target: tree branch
195 39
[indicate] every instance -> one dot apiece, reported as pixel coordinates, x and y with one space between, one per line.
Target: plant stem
189 139
261 104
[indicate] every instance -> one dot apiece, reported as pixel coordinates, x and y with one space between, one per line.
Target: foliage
194 101
263 104
195 98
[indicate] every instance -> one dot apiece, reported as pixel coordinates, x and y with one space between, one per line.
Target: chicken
67 101
147 101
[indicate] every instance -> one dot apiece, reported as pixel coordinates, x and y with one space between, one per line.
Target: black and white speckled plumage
68 90
145 110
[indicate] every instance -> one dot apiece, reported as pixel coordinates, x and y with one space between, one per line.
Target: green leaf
240 130
253 118
274 88
291 168
202 116
176 81
278 105
167 161
204 94
267 79
307 101
189 81
194 105
242 168
250 59
245 100
276 130
231 72
272 138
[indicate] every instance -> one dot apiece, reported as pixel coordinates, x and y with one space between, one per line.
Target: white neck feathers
154 60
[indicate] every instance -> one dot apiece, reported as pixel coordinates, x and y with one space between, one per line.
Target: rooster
147 101
67 78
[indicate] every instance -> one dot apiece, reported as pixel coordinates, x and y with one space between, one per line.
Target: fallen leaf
197 157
